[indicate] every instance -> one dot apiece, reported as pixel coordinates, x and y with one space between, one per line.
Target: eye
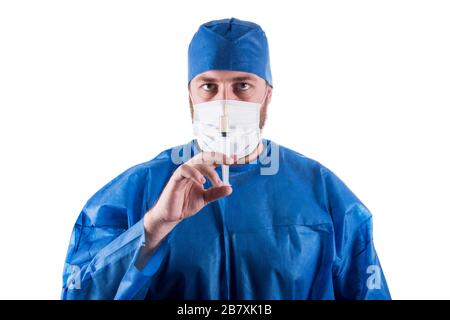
208 87
243 86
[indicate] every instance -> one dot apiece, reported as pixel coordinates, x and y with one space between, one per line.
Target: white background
91 88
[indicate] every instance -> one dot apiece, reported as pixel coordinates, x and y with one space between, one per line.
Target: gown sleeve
357 272
106 240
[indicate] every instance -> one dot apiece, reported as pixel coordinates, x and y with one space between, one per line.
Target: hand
182 197
184 194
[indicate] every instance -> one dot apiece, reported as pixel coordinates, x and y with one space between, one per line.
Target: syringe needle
224 132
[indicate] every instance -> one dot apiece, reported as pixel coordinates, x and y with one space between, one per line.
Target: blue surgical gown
291 229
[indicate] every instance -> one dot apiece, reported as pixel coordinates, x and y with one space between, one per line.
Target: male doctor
228 215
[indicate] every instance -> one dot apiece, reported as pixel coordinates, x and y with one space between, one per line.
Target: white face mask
241 125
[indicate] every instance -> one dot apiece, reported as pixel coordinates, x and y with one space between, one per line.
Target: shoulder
135 175
327 186
127 194
305 169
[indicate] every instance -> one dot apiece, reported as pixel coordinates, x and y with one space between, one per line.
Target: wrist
155 228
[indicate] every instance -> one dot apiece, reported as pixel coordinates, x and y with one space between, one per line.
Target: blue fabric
229 44
297 234
134 283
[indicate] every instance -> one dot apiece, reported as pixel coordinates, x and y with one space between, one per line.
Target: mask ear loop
190 97
265 94
261 104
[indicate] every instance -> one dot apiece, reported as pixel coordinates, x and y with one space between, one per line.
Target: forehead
226 76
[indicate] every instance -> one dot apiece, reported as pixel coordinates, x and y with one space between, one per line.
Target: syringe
224 133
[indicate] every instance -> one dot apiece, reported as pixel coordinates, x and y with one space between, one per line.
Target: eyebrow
245 78
206 79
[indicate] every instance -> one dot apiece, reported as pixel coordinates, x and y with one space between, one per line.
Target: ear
269 94
191 108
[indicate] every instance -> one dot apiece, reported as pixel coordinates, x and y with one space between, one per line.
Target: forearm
155 231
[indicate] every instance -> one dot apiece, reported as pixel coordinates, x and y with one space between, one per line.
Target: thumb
214 193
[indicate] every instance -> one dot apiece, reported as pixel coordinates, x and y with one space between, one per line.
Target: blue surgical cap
229 44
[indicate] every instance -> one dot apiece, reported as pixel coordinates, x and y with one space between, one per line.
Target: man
284 227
